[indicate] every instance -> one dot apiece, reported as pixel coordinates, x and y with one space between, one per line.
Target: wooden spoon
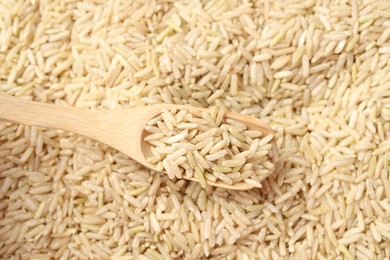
122 129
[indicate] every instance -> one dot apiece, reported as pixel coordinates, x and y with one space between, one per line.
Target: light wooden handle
21 111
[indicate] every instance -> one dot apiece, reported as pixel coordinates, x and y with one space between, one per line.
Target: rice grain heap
316 71
205 145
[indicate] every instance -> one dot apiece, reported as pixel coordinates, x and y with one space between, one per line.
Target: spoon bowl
122 128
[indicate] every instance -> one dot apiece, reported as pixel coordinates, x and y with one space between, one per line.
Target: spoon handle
22 111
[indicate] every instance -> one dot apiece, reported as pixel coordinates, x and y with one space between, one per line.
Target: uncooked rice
316 71
207 146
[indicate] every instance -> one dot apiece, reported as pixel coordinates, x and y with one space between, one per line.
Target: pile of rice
317 71
209 147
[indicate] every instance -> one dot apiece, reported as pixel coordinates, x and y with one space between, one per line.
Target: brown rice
316 71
